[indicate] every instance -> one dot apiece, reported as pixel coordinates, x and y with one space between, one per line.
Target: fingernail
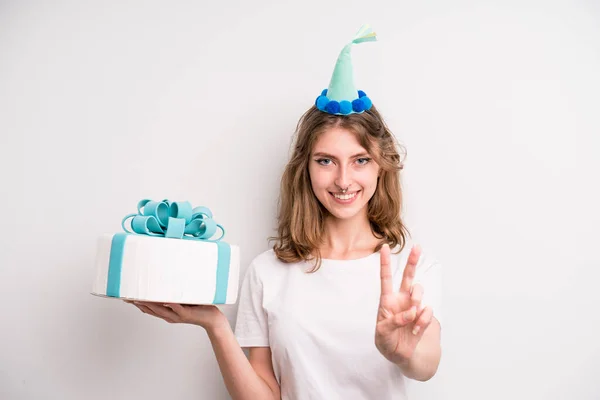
416 330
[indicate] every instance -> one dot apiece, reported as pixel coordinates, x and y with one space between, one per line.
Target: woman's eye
324 161
363 161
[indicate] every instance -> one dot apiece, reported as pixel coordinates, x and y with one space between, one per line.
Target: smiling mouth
344 196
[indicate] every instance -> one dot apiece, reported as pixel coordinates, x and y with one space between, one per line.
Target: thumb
404 318
397 321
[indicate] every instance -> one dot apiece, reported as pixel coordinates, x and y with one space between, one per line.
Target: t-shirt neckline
350 261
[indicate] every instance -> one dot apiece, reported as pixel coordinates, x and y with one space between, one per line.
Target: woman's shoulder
267 272
267 263
268 259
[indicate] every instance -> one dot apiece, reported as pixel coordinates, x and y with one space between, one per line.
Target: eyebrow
322 154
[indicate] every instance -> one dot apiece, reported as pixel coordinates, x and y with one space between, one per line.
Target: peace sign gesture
401 320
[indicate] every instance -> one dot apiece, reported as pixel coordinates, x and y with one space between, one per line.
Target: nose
343 178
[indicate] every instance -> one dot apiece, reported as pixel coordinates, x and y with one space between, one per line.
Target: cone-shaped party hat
342 97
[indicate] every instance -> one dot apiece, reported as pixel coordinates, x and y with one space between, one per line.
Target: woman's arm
245 379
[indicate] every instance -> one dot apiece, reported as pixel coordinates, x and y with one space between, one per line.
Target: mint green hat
342 97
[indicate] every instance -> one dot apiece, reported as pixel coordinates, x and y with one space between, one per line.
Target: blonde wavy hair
301 216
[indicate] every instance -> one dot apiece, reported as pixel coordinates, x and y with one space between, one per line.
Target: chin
343 217
344 214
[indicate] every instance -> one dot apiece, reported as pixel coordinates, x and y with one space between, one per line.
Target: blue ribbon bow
173 220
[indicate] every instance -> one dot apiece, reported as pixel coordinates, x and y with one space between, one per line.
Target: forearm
242 382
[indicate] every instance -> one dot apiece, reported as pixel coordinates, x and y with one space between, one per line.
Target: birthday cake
168 254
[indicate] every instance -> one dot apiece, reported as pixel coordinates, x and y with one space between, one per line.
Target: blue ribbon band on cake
174 220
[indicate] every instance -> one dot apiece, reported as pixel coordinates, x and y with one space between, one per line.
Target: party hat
342 97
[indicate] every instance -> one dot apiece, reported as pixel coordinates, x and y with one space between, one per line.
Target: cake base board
157 301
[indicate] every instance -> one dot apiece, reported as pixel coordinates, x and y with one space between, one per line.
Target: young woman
330 312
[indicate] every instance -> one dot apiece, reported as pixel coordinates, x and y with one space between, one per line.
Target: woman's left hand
401 320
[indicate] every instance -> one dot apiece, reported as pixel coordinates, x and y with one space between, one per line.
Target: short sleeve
429 275
251 328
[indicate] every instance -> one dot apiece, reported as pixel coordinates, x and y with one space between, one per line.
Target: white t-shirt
321 326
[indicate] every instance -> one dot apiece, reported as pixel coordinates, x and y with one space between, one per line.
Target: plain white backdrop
104 103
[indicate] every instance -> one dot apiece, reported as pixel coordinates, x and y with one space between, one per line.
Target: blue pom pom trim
333 107
344 107
321 102
358 105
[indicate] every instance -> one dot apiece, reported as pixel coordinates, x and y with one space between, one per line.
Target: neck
348 238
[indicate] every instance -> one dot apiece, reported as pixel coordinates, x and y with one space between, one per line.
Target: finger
138 307
146 310
386 272
391 324
416 296
404 318
423 321
177 308
164 312
182 312
409 271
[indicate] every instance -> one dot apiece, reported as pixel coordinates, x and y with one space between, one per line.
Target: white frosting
166 270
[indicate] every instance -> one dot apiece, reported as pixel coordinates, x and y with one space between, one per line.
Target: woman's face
339 162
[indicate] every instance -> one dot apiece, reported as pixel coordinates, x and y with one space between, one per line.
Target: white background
105 103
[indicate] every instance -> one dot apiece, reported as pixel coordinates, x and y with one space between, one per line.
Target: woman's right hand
207 316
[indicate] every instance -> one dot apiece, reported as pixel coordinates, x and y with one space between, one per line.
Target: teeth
344 196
